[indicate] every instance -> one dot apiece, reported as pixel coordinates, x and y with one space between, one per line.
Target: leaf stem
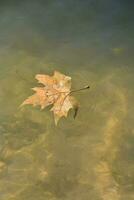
77 90
84 88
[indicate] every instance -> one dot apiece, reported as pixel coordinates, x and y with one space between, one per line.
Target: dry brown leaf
56 90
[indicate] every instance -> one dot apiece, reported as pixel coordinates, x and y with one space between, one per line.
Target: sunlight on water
90 157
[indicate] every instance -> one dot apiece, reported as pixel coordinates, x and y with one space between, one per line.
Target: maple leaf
56 91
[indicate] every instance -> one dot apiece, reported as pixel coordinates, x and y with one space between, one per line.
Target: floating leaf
56 91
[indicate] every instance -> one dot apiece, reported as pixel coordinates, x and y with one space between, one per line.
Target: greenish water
91 157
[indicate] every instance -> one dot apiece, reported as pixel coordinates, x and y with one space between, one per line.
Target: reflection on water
90 157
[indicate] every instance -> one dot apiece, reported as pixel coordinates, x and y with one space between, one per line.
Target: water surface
92 156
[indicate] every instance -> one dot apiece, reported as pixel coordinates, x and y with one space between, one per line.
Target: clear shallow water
87 158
